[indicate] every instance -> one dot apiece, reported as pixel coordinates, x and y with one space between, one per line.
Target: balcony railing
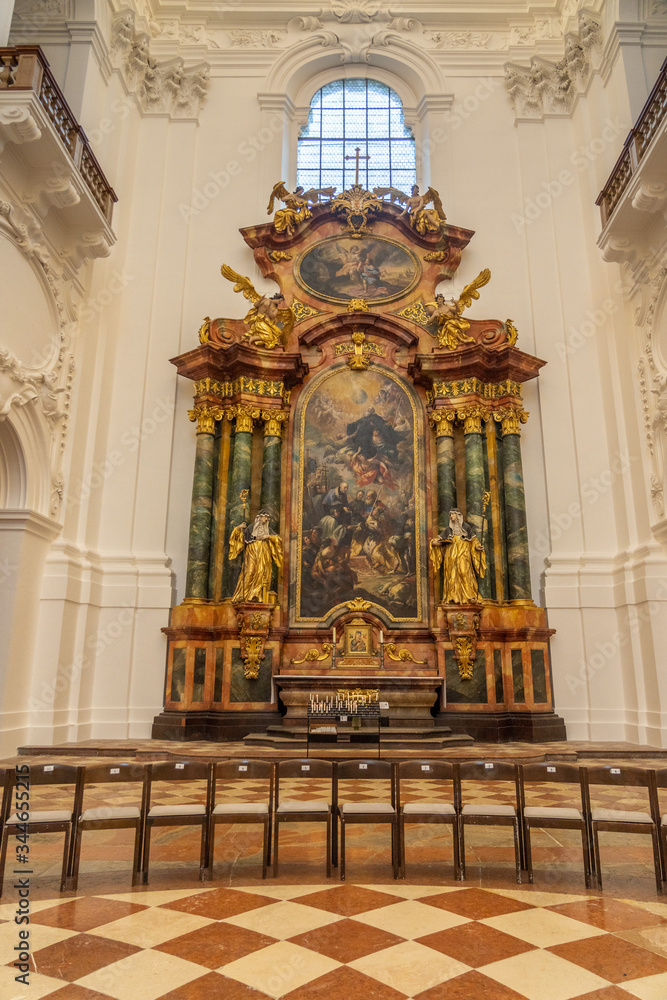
26 68
635 146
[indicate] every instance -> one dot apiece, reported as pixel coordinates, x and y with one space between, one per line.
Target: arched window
350 113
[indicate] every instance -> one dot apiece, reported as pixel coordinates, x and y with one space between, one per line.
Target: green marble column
238 491
516 532
199 546
271 458
271 466
444 450
472 417
241 466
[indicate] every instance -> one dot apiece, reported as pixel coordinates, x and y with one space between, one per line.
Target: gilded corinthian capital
472 417
206 417
510 417
273 421
245 417
442 422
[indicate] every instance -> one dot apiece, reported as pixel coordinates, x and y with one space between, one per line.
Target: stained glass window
350 113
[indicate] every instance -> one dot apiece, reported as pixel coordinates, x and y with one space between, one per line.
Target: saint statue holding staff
260 550
464 560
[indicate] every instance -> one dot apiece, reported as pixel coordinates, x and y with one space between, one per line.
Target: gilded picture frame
339 269
358 640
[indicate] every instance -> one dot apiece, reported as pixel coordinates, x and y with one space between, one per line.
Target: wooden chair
488 813
245 811
19 815
377 811
187 814
307 810
111 816
428 810
625 820
574 817
661 782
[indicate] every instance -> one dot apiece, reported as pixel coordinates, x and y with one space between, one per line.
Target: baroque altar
358 480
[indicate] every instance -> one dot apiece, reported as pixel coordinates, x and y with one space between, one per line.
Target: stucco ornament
355 11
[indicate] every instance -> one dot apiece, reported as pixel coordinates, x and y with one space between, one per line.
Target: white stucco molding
168 88
49 177
36 394
549 89
388 56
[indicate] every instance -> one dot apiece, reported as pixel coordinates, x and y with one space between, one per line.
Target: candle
334 635
381 636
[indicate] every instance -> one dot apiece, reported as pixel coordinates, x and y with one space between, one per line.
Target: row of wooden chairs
449 805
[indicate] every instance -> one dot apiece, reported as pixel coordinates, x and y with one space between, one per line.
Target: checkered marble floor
340 942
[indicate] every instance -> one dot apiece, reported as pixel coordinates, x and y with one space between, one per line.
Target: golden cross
357 157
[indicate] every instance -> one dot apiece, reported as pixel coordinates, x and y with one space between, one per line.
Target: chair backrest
630 777
428 770
17 783
50 774
369 770
119 773
486 770
424 770
305 767
556 773
613 774
247 769
548 771
661 777
191 771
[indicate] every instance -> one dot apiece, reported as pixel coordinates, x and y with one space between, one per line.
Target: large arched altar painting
358 506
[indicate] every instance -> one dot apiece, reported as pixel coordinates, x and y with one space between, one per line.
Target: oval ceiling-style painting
341 268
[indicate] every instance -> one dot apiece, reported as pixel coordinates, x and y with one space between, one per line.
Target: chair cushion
551 812
308 805
436 808
110 812
483 809
43 816
619 816
187 810
254 808
377 808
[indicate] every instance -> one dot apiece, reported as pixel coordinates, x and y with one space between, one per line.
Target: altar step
392 738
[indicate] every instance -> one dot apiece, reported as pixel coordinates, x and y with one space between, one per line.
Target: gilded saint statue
422 218
260 551
447 314
297 206
269 322
464 559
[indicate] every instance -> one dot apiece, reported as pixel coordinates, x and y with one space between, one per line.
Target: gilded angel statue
269 324
422 218
448 313
297 205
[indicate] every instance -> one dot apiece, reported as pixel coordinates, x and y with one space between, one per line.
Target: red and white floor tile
339 942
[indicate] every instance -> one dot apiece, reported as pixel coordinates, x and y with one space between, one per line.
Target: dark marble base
215 726
505 727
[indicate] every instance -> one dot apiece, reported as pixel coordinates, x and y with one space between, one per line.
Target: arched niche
390 59
13 471
30 320
25 478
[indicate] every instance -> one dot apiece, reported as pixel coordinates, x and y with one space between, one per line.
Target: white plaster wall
184 190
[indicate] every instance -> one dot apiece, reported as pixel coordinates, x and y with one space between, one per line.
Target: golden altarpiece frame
358 511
